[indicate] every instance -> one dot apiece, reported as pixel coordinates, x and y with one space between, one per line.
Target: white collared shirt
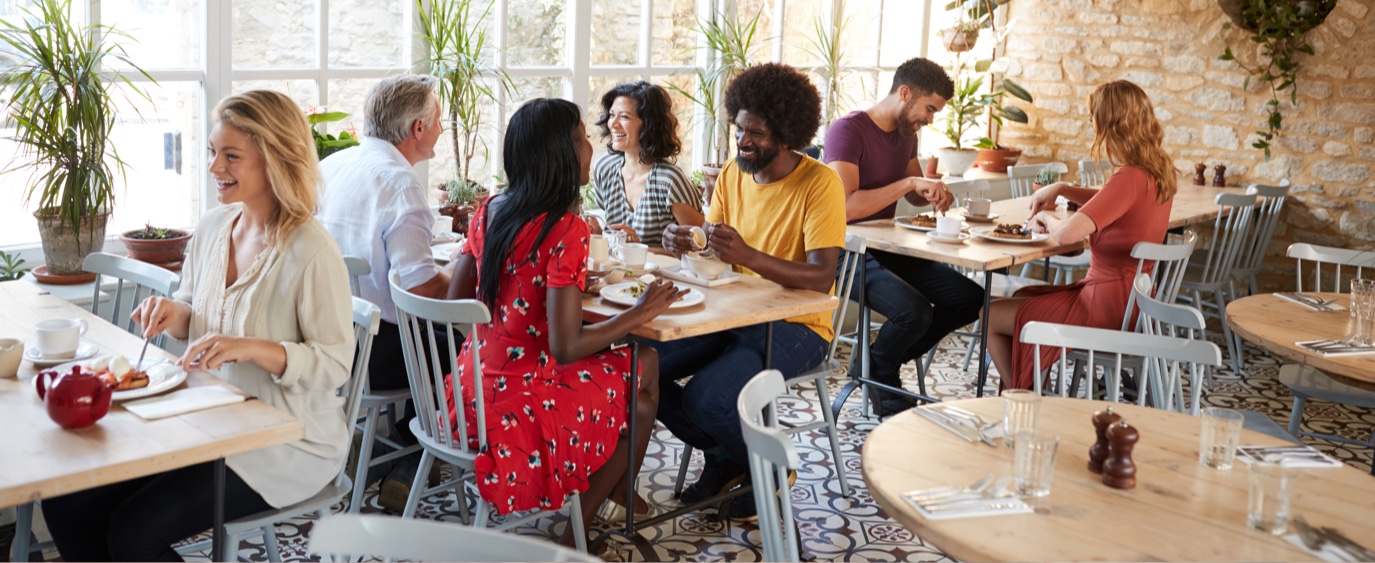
375 207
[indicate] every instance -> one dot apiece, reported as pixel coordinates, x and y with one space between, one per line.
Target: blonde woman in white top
265 303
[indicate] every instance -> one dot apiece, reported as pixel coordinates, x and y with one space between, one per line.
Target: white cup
949 226
699 238
58 338
442 225
11 353
979 206
633 254
598 249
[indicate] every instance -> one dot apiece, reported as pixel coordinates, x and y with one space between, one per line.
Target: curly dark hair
924 78
781 95
659 136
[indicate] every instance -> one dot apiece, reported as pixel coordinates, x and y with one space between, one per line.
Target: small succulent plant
1047 176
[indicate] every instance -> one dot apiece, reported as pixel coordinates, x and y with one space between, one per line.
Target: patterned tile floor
838 528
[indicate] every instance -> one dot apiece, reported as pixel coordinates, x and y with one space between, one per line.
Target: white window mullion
322 44
778 15
580 44
219 64
497 151
646 33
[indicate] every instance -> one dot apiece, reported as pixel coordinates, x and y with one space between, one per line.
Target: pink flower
315 110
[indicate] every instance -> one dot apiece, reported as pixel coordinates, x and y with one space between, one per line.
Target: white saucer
948 239
991 217
83 350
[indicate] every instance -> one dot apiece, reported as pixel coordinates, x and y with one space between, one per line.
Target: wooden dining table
43 460
1178 511
1276 324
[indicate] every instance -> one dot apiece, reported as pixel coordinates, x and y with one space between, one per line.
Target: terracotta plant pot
958 40
64 252
165 252
997 160
481 195
441 195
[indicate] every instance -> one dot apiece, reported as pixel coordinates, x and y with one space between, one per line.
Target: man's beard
906 129
761 160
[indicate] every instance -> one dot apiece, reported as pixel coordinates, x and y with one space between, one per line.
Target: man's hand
677 239
934 192
727 243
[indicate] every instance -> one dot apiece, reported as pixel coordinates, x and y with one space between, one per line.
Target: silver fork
977 487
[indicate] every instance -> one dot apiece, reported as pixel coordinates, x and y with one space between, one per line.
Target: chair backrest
367 318
1230 231
1116 344
1269 203
421 320
146 280
389 538
1168 262
1166 318
851 260
1023 176
1335 260
1093 173
358 268
771 456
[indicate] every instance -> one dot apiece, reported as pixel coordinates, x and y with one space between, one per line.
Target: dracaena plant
730 47
61 101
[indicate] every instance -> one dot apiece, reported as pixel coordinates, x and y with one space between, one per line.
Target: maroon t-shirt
881 156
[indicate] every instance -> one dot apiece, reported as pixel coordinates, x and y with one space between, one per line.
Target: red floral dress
549 425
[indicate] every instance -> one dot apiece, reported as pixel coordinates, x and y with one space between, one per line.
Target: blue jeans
923 302
703 413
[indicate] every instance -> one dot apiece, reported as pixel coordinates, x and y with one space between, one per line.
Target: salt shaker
1199 169
1218 172
1099 451
1119 471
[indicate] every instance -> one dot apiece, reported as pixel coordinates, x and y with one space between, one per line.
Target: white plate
991 217
162 377
647 268
620 295
445 237
441 252
982 232
947 240
84 350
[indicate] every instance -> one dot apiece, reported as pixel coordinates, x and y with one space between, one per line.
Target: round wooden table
1179 510
1275 324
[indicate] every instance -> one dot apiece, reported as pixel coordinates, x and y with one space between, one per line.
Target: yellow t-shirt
803 211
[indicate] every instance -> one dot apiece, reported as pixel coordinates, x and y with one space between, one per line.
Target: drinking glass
1217 443
1363 312
1033 462
1267 506
1020 408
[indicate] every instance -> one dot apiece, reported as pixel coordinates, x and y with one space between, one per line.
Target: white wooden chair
1118 346
1162 386
347 535
772 455
442 437
1063 266
1305 382
1023 176
1213 275
146 280
1093 174
1269 203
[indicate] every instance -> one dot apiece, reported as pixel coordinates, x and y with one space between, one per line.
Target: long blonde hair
278 128
1127 133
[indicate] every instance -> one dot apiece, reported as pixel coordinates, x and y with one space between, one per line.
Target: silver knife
138 366
946 425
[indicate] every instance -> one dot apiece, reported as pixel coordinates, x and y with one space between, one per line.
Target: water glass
1033 463
1363 311
1020 408
1217 444
1267 506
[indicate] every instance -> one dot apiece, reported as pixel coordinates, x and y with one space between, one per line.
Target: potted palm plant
62 104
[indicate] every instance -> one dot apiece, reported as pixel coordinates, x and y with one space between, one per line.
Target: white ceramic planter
957 162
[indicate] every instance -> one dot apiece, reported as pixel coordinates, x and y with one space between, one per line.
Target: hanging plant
1279 27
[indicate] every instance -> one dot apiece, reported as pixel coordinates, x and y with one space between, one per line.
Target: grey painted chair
425 540
1118 347
443 437
1094 173
144 279
1023 176
1162 385
772 455
1269 204
1213 275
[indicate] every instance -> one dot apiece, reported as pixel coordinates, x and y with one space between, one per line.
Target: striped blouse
666 186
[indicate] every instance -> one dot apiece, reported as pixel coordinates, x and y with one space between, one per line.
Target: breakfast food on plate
1010 232
924 221
117 373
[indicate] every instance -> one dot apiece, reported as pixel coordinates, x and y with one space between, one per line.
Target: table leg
217 543
983 336
768 345
630 444
861 376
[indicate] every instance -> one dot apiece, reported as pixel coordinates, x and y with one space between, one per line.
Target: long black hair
542 172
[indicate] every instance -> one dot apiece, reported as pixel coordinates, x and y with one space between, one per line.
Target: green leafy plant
1279 28
1047 176
970 103
730 46
589 196
461 57
462 192
62 104
325 143
149 232
11 266
834 64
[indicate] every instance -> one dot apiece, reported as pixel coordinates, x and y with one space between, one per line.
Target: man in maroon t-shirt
875 153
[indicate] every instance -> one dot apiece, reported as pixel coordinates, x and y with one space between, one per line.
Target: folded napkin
184 401
1335 347
1329 552
1312 302
1288 456
946 509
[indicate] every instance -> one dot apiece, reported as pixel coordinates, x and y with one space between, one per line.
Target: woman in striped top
636 181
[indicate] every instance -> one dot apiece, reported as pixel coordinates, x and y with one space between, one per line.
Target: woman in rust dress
1133 206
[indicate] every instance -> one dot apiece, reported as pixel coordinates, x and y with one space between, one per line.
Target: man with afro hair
777 214
874 152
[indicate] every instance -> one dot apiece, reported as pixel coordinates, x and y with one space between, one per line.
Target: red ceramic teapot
76 399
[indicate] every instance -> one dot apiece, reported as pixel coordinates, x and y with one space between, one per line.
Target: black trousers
387 369
140 519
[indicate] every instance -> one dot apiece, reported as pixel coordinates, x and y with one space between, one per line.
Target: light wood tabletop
1179 510
1275 324
42 460
748 302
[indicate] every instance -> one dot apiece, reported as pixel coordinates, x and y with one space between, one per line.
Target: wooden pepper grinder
1218 180
1199 169
1099 451
1119 471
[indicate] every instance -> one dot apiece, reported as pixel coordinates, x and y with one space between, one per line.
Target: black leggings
140 519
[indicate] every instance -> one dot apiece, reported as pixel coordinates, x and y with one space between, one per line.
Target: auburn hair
1126 133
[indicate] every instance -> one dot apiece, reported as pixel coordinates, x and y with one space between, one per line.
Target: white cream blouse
296 293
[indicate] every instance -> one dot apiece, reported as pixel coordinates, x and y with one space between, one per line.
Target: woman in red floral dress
554 393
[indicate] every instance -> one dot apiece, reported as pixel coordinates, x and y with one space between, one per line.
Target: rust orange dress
1126 213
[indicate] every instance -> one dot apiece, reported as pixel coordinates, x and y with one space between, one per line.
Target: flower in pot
161 247
62 104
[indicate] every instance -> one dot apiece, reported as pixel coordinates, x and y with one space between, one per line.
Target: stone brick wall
1065 48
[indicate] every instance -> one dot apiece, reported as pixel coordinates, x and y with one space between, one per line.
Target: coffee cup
442 226
699 238
949 226
11 354
979 206
58 338
633 254
598 249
